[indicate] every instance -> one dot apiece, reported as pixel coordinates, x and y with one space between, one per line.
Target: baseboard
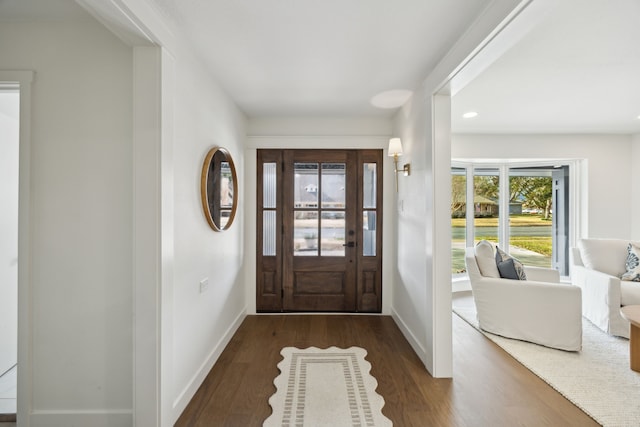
97 418
408 334
189 391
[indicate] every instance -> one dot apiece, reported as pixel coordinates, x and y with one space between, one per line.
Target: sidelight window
269 193
369 204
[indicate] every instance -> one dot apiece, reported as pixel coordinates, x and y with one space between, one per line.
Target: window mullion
470 226
503 223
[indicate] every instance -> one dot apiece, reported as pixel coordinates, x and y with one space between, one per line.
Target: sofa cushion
485 259
605 255
508 266
629 292
632 265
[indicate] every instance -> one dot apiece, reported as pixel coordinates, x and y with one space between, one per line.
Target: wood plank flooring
489 387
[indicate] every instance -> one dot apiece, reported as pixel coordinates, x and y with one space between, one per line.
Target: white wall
310 133
413 286
635 186
607 193
204 116
9 144
80 220
319 126
181 112
82 223
422 289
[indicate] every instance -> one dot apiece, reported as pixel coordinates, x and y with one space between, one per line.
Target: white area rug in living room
330 387
598 379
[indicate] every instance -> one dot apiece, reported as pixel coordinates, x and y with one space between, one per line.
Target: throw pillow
508 266
486 260
633 264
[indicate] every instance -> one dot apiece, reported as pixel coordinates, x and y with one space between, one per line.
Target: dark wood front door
319 230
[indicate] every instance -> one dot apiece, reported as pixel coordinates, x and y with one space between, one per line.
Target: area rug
330 387
597 379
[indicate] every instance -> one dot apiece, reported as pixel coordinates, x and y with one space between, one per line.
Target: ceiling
574 72
41 11
320 58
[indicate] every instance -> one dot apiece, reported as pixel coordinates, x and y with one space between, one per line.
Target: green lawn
457 261
541 245
516 220
538 244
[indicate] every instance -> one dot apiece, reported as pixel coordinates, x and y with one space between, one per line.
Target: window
523 209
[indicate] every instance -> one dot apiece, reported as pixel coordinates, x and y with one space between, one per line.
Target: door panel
319 210
329 212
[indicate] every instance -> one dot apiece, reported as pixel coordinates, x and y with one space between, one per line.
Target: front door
326 204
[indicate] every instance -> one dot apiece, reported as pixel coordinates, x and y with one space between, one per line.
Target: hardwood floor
489 387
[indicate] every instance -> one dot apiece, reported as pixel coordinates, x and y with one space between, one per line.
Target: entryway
319 231
9 160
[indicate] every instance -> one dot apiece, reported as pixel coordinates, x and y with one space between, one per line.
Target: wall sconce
395 151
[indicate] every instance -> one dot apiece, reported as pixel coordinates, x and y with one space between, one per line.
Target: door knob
350 244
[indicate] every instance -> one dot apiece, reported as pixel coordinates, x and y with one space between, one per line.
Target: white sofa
596 267
539 310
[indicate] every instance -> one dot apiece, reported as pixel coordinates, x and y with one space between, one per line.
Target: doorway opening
9 192
319 231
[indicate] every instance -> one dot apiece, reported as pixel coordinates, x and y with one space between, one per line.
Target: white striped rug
330 387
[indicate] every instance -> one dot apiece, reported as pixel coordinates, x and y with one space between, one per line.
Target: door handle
350 244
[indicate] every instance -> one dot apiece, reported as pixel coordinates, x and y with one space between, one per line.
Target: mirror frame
204 181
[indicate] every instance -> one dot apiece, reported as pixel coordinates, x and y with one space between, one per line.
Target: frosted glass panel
305 185
305 234
369 177
269 233
333 231
333 183
369 233
270 185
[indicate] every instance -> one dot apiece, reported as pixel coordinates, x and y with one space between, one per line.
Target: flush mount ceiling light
391 98
470 115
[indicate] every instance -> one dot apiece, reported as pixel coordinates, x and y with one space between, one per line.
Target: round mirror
217 189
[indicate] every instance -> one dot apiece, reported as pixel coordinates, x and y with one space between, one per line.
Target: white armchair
597 266
539 310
